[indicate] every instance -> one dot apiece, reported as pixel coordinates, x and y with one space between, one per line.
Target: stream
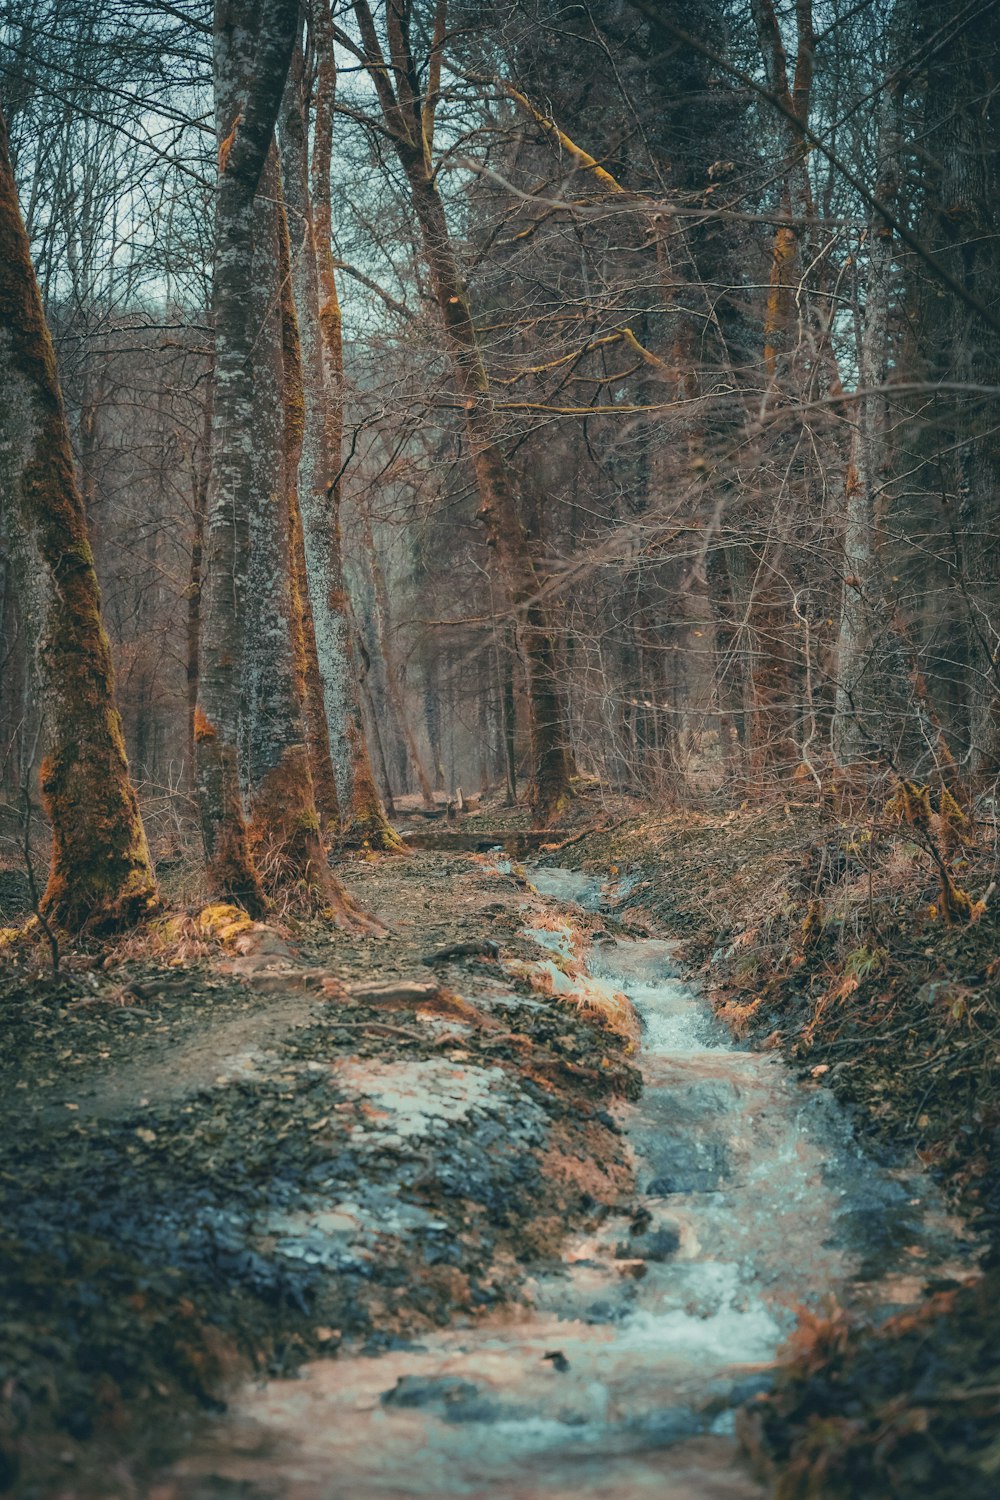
623 1377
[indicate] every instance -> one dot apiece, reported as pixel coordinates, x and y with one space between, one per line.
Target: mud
207 1174
624 1371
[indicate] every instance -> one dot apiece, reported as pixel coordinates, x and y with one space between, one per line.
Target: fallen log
394 991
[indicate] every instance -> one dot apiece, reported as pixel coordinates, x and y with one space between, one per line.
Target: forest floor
178 1119
206 1171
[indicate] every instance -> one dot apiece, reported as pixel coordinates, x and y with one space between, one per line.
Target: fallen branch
576 838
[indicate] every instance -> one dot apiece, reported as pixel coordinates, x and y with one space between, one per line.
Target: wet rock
694 1167
724 1394
670 1426
430 1392
656 1244
633 1267
457 951
605 1312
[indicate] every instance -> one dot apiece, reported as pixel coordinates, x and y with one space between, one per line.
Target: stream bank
820 939
624 1371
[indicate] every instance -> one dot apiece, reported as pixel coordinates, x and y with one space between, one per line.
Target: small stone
657 1244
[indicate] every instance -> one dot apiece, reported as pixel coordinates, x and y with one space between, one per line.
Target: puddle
754 1203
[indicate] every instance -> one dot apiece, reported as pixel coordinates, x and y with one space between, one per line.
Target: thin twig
36 903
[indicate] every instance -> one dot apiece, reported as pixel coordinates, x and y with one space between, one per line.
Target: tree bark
868 680
394 687
199 501
509 710
963 226
363 820
100 873
253 48
285 835
432 717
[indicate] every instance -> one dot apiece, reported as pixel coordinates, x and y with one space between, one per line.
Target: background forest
614 395
473 431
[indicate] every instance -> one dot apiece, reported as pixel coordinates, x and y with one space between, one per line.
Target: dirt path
230 1166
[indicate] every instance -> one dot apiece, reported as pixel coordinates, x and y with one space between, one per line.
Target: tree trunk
101 874
199 498
963 226
868 707
253 47
314 700
282 742
409 120
377 741
15 730
394 687
432 717
363 819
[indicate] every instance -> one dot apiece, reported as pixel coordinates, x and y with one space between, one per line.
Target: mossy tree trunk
101 874
307 190
408 116
199 497
253 48
285 837
314 703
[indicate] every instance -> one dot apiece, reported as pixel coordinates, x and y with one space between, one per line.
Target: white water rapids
755 1202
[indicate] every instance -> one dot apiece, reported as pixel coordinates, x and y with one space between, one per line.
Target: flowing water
755 1202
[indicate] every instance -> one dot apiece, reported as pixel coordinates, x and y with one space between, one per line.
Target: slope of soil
823 938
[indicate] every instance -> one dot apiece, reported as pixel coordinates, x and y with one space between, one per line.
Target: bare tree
253 50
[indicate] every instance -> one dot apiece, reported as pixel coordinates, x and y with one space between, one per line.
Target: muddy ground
216 1162
177 1124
